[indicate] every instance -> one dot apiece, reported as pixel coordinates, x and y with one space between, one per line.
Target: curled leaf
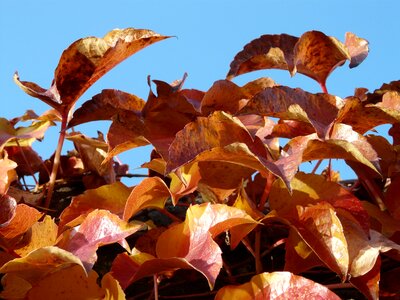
358 49
276 285
85 61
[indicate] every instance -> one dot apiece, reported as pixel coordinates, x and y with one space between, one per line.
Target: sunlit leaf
42 234
276 285
25 216
317 55
110 197
266 52
67 283
320 110
105 105
28 160
223 95
358 49
85 61
7 173
184 181
112 289
14 287
41 262
100 227
151 192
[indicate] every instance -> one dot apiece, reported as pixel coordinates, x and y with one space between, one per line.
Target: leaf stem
257 250
155 278
266 191
56 162
316 166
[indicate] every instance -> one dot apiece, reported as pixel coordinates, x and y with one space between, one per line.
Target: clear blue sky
209 33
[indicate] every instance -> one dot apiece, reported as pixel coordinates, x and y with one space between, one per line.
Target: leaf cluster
224 209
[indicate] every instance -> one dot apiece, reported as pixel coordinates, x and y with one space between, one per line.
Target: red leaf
8 206
99 228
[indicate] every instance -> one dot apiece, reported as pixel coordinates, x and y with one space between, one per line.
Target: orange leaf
42 234
67 283
85 61
322 230
14 287
100 227
111 287
110 197
25 216
39 263
317 55
266 52
150 192
276 285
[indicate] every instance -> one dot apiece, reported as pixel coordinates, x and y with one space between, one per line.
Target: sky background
208 34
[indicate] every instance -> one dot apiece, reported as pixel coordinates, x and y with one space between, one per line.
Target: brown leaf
321 110
8 206
266 52
276 285
105 105
223 95
217 130
27 159
85 61
151 192
358 49
317 55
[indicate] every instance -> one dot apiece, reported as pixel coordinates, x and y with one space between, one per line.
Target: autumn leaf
320 110
317 55
151 192
24 135
85 61
100 227
68 283
112 288
42 234
7 173
223 95
39 263
358 49
105 105
111 197
25 216
28 160
266 52
7 212
276 285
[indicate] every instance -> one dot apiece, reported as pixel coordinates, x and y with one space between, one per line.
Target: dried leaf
151 192
8 206
27 159
320 110
266 52
276 285
110 197
85 61
100 227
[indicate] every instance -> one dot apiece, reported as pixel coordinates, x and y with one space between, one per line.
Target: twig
266 191
248 246
155 278
314 170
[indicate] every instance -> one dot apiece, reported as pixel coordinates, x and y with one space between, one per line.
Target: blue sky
208 33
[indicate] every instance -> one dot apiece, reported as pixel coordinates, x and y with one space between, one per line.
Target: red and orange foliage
225 211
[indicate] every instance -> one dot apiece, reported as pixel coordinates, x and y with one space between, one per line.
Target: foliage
225 211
